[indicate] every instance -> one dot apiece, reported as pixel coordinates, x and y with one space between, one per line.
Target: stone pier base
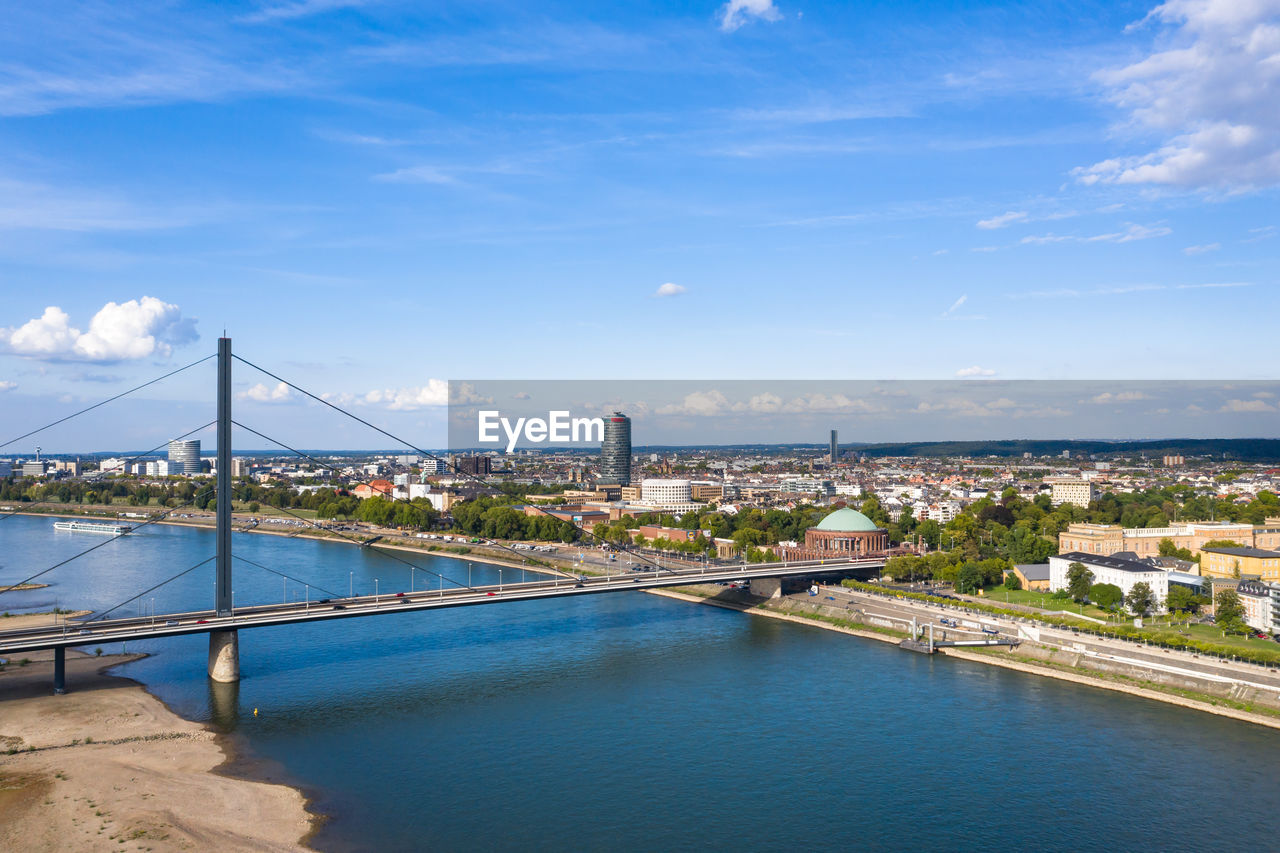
224 656
767 587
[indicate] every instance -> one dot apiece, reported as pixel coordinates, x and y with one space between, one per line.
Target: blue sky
372 195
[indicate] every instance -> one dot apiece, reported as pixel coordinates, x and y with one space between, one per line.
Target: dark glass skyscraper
615 452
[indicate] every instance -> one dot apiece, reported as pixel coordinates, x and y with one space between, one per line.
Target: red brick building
842 534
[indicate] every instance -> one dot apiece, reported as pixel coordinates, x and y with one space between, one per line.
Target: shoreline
1074 675
135 776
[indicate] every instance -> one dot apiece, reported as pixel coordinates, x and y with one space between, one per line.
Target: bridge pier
59 670
224 656
767 587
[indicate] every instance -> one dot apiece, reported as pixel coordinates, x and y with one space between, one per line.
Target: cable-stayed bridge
223 620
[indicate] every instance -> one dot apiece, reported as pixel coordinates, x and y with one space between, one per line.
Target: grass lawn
1213 634
1155 624
1042 600
267 510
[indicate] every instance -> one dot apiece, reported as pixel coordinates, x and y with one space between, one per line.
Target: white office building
660 492
1113 570
184 457
1071 490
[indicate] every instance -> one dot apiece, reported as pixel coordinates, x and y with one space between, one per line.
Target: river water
634 722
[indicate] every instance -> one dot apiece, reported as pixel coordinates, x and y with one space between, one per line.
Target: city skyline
983 192
701 413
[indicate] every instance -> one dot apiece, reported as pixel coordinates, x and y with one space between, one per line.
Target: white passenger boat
93 527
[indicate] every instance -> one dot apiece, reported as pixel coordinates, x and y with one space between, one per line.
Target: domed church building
843 534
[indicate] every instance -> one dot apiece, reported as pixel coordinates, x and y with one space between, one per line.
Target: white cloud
699 404
1200 250
1003 219
831 403
765 403
670 289
7 385
711 403
118 332
262 393
28 206
298 9
965 408
418 175
955 305
736 12
1213 93
975 370
463 394
1120 397
434 393
128 54
1246 406
1131 233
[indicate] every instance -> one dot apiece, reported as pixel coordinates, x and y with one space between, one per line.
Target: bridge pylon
224 656
224 646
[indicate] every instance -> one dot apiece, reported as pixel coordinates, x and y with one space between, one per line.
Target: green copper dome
847 521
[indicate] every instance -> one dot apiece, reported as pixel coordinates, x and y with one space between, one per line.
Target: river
635 722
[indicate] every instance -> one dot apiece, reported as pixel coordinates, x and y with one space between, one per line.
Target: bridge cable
323 464
152 520
455 468
288 577
108 400
362 543
151 589
124 464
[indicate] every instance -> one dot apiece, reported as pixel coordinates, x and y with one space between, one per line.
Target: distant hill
1243 449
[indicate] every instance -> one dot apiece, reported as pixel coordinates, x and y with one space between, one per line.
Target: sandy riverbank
34 620
108 766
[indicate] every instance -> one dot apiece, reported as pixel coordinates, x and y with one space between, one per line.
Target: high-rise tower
615 451
184 457
835 448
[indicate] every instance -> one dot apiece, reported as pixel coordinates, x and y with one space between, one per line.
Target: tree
1229 612
969 578
1182 600
1011 582
1140 598
1106 595
1079 580
1169 549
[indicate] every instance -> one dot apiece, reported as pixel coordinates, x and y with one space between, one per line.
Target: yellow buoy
255 712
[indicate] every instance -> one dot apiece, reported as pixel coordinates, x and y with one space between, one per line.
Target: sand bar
108 766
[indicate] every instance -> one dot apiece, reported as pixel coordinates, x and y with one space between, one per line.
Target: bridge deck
200 622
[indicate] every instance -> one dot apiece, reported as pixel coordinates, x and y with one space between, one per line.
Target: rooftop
847 521
1107 562
1243 552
